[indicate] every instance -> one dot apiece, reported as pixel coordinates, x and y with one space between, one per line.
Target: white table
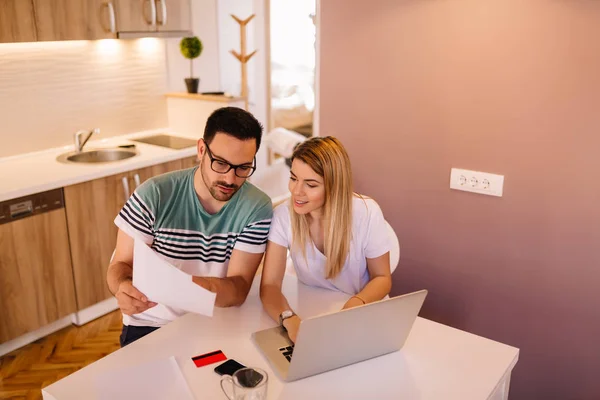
437 361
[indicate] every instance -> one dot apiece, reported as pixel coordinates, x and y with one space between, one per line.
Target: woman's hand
353 302
291 325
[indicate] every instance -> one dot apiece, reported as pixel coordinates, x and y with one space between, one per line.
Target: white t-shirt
370 239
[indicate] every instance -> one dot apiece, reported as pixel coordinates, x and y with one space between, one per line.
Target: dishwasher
36 277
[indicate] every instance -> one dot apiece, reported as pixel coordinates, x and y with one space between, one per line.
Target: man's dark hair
235 122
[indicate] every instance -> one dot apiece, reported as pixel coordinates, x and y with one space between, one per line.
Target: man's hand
132 301
203 282
291 325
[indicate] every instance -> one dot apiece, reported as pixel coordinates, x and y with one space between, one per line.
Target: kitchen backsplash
49 90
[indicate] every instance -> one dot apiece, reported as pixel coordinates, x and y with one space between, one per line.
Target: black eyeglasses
223 167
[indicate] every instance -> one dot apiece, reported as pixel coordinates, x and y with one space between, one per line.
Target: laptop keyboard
287 352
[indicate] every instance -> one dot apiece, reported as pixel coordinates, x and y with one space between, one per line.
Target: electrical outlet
476 182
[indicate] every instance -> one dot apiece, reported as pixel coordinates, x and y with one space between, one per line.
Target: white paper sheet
155 380
165 284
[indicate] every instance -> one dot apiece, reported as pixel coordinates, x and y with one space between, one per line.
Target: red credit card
209 358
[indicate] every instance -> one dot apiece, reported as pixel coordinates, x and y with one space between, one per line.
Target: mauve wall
415 87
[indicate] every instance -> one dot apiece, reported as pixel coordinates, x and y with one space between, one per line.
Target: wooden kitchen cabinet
53 20
147 173
189 162
17 21
173 15
93 19
91 210
36 282
136 15
153 15
75 19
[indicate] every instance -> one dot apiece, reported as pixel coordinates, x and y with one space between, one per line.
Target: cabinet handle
125 187
163 12
111 17
136 179
152 13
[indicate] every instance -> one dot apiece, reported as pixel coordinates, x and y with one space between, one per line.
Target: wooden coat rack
242 56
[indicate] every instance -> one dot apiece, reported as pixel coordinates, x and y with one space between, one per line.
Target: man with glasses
207 221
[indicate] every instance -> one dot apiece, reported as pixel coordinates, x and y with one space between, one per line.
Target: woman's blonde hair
328 158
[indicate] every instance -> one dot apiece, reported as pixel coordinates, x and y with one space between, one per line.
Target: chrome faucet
78 143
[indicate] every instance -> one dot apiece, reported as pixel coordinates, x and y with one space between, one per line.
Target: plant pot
192 84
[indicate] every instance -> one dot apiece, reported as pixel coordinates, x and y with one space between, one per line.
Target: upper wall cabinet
108 19
75 19
17 23
160 18
174 15
136 15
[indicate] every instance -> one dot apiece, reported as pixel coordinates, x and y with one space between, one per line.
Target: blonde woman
337 239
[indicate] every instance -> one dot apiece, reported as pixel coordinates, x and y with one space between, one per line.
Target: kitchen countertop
31 173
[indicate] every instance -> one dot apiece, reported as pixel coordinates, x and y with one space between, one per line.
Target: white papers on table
155 380
165 284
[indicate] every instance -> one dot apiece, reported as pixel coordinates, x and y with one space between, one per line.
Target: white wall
256 39
49 90
217 68
229 39
258 82
206 67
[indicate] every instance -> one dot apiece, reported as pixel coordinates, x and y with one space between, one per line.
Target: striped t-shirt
165 213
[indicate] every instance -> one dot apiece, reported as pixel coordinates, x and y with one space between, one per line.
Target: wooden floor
24 372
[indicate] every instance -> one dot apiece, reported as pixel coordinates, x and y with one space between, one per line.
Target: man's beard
215 192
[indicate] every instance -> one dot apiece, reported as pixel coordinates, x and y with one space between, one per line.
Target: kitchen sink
97 156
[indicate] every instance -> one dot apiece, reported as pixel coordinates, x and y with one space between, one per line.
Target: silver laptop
341 338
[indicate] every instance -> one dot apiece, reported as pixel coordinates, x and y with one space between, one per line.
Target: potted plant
191 47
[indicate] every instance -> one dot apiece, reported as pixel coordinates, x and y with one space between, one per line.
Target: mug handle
230 380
